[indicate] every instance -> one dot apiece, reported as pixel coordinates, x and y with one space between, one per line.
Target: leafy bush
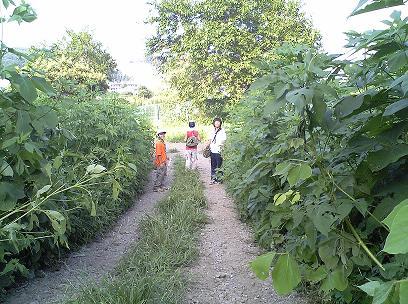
318 160
107 132
66 170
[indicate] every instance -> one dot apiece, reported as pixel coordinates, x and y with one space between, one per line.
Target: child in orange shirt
160 162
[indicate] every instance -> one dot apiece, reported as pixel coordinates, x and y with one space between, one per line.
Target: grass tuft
150 272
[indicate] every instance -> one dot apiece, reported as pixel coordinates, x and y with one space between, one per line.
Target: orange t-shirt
161 157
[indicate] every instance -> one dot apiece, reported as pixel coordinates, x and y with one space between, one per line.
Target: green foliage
144 92
317 158
150 273
106 131
77 66
174 110
397 221
285 274
365 6
208 47
66 170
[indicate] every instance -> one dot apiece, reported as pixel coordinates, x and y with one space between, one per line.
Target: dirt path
222 274
93 260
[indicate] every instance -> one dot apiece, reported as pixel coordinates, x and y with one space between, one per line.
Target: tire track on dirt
222 273
93 260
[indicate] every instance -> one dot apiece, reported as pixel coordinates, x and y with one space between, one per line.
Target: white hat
160 131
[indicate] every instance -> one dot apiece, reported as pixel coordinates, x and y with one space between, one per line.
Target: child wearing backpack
192 139
160 162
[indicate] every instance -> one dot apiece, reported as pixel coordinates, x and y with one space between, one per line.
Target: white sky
119 26
331 18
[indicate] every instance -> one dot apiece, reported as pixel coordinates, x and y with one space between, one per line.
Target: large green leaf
380 159
395 107
261 83
328 255
24 86
5 169
285 274
42 85
403 292
58 221
6 3
335 280
390 218
319 110
7 204
299 173
370 287
10 193
317 275
382 293
300 97
23 122
323 218
14 191
262 264
50 118
95 169
348 104
282 168
396 241
373 5
397 60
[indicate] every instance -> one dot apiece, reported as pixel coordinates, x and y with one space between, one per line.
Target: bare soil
222 273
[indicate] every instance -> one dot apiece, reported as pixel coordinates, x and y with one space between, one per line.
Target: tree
208 48
76 64
119 76
144 92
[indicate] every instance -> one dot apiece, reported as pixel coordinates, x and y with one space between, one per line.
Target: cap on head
161 132
191 124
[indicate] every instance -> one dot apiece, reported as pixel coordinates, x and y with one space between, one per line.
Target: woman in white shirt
217 138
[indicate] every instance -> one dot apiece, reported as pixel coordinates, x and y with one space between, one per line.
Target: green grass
176 134
151 271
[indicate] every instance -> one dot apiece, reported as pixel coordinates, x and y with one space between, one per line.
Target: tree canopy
208 48
76 63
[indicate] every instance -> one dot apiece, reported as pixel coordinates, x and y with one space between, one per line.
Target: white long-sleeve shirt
217 143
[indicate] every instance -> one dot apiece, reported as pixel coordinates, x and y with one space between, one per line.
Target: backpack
192 141
207 149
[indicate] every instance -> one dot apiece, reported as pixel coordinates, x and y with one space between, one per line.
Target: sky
120 26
